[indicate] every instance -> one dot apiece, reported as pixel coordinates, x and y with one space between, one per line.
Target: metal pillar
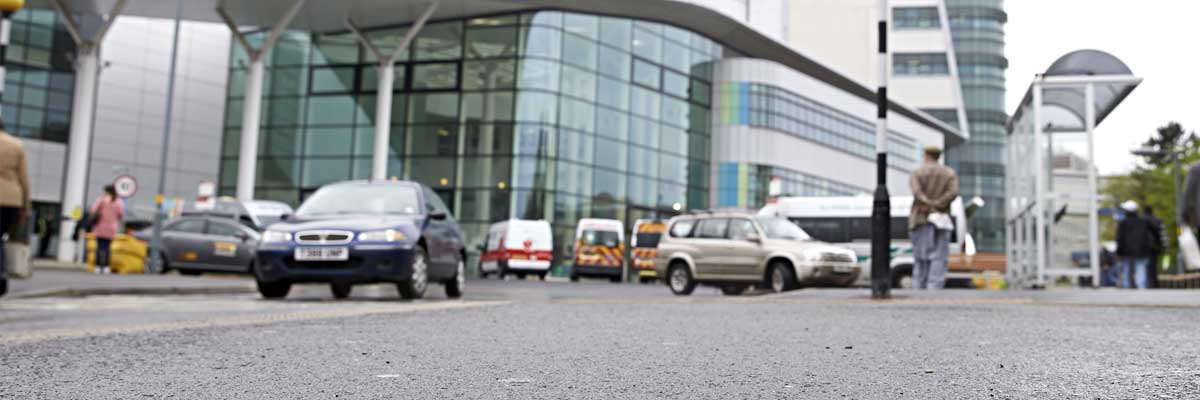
79 144
1089 97
383 90
7 9
881 280
252 103
1039 190
156 240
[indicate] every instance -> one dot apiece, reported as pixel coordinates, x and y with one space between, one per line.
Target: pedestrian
108 210
1135 244
934 187
14 192
1158 246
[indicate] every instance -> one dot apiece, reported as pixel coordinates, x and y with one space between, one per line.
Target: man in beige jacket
934 187
14 190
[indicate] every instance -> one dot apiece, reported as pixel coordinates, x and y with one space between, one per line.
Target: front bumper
366 264
596 270
831 273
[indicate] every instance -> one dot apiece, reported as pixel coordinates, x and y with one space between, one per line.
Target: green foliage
1153 184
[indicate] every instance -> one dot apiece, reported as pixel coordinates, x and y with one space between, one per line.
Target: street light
1173 156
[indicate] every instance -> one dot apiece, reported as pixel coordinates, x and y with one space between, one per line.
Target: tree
1170 138
1153 184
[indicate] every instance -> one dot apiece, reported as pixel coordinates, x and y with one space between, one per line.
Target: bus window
832 230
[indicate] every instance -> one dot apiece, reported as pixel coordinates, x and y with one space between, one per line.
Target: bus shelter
1050 167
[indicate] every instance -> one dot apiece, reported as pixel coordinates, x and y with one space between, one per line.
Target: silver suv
734 250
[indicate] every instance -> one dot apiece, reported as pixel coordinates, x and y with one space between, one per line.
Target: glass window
439 41
674 140
616 32
531 172
579 83
577 114
292 81
335 49
433 108
537 107
675 84
435 76
433 140
612 123
701 92
539 74
548 18
328 142
647 45
223 229
188 226
431 170
645 102
741 229
575 146
493 21
674 111
539 41
487 139
612 93
321 171
490 74
535 140
282 141
644 132
612 154
491 42
678 35
676 56
915 18
919 64
580 24
330 110
386 40
370 78
487 107
712 228
332 80
486 172
579 51
609 187
682 228
646 73
614 63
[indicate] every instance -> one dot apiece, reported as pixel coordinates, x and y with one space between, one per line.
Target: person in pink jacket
109 210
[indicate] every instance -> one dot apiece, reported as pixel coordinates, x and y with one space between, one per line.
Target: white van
599 249
517 247
846 221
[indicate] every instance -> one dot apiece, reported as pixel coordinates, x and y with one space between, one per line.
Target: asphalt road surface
596 340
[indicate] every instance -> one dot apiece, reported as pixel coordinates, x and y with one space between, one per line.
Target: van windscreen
599 238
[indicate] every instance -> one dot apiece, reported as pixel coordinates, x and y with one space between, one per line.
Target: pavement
70 281
529 339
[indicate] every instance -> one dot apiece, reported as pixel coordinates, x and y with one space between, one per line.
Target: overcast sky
1157 39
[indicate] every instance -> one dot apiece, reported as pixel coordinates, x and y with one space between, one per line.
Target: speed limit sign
126 186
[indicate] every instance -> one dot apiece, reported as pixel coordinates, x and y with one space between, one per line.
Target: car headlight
276 237
384 236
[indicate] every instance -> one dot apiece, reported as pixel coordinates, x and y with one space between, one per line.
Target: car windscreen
599 238
361 200
781 228
268 219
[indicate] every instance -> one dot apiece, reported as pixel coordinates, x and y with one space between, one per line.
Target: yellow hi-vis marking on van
602 256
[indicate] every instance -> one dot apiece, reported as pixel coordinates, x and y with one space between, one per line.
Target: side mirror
285 217
437 215
243 236
753 237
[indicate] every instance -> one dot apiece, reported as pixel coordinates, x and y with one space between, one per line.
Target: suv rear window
683 228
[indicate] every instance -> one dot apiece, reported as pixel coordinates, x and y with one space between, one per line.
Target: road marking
239 320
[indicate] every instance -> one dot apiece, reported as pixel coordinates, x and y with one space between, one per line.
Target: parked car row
402 233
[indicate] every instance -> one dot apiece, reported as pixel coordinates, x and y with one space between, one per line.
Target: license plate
843 268
322 254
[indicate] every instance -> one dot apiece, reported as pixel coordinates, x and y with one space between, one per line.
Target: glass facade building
977 28
544 115
40 79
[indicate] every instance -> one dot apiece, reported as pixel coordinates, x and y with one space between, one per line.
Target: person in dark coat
1159 246
1136 239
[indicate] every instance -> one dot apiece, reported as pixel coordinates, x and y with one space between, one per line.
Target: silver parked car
193 244
736 250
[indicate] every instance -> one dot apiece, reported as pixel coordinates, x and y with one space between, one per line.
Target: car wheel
574 277
161 268
454 287
274 290
3 286
733 290
781 278
521 276
615 279
340 290
679 278
542 276
414 287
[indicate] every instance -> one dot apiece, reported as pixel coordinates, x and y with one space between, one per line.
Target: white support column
251 115
383 91
1039 188
1089 97
79 143
252 103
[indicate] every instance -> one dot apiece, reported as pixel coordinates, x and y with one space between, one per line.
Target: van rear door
529 240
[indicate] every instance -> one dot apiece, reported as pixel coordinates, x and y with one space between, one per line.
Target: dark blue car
364 232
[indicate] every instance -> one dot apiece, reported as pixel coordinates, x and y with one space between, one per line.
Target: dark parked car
364 232
195 244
